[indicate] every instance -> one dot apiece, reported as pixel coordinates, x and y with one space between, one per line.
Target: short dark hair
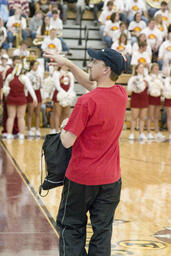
55 12
16 58
163 3
109 3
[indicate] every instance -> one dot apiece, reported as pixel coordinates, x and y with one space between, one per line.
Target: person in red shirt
93 177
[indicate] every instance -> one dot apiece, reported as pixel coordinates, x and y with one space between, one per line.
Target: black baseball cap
111 58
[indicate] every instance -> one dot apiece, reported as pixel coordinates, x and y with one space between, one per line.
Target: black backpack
56 161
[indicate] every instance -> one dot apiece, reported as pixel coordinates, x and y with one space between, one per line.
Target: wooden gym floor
142 224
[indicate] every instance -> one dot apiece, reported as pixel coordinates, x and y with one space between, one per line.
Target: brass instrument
18 34
155 3
38 41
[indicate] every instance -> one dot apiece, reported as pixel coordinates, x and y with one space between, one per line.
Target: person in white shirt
105 16
36 79
124 47
154 36
122 29
161 26
118 6
155 90
164 56
3 35
16 24
111 27
142 38
134 6
136 26
141 56
51 43
56 22
164 12
22 51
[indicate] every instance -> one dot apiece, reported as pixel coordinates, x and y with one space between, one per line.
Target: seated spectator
161 26
4 13
44 29
3 36
134 6
16 26
153 6
35 23
164 56
56 22
164 12
74 6
136 26
44 6
56 5
111 27
154 38
122 29
51 43
124 47
95 6
105 15
141 56
142 38
118 6
22 51
23 5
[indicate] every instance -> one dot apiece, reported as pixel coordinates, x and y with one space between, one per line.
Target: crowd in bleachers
138 29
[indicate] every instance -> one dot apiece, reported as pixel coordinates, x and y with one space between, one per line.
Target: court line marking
38 200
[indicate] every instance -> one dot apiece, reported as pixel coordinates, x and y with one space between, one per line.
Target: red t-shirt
97 120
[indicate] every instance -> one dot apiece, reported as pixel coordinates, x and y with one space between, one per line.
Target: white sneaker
37 133
159 136
142 136
9 136
30 133
131 136
150 136
52 131
21 136
4 135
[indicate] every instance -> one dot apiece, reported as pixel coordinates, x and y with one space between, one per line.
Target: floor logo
121 253
164 235
142 244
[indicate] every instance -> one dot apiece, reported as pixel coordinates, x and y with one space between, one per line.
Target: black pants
101 202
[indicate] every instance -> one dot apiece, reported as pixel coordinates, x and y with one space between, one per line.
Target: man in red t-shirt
93 179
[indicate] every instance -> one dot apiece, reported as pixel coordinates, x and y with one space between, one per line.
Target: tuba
155 3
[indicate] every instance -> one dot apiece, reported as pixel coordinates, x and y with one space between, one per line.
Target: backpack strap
41 176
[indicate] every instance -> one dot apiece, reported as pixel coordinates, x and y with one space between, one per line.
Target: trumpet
38 41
